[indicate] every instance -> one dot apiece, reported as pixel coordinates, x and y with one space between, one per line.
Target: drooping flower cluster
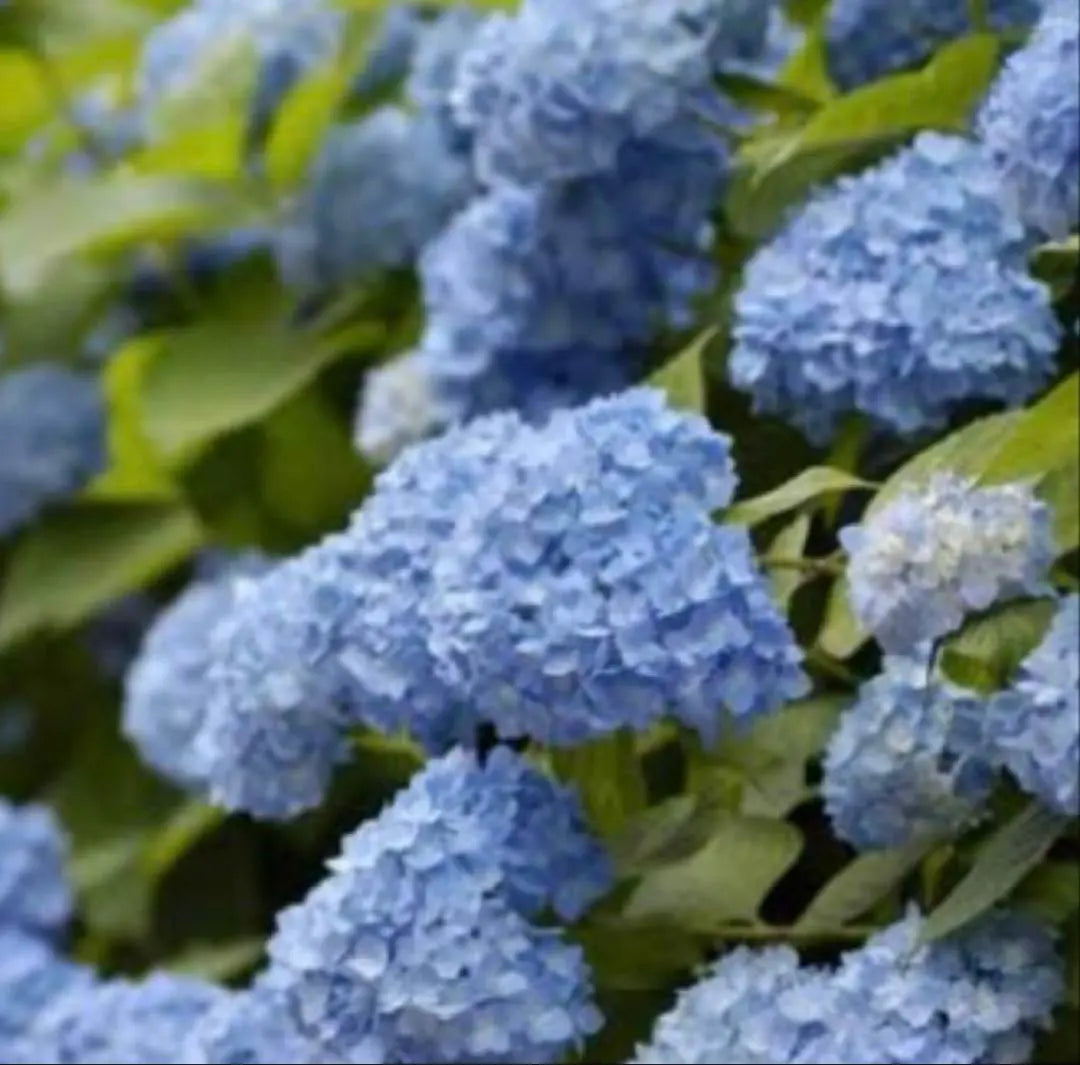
593 132
418 947
558 583
1030 123
900 293
166 686
906 761
976 997
34 896
380 188
940 551
1034 725
52 427
867 39
260 47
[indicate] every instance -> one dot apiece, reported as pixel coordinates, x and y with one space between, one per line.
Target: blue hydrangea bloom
380 188
866 39
939 551
1034 725
52 425
253 1028
542 298
32 978
1031 124
753 1006
903 763
783 38
412 949
124 1022
34 893
901 293
435 62
396 408
976 997
165 691
558 91
259 47
390 50
586 587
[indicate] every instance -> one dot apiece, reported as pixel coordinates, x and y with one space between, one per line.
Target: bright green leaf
859 886
1012 852
789 542
663 834
213 152
80 558
683 377
608 778
1051 891
726 881
807 71
809 485
301 124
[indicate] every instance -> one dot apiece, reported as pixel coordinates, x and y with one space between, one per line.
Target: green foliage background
229 425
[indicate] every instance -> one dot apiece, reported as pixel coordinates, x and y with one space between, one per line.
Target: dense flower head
34 893
390 49
753 1006
32 977
1034 725
258 47
588 589
381 187
978 996
1031 124
412 950
165 691
867 39
942 550
900 293
558 91
250 1027
436 59
903 764
124 1022
52 426
396 408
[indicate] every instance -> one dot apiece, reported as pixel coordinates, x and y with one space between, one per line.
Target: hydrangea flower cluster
867 39
902 293
418 947
1030 123
1034 725
976 997
166 686
593 133
264 44
558 583
391 48
52 425
942 550
906 761
34 896
396 409
380 188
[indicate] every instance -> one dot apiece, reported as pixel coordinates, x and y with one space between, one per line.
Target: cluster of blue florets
557 583
900 293
34 896
977 997
52 424
867 39
941 551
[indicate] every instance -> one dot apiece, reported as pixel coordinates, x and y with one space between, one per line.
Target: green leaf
218 961
24 97
663 834
1012 852
238 362
781 99
986 652
637 957
608 778
807 71
1051 891
301 124
1058 264
213 151
78 559
809 485
859 886
724 882
100 214
789 542
683 377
